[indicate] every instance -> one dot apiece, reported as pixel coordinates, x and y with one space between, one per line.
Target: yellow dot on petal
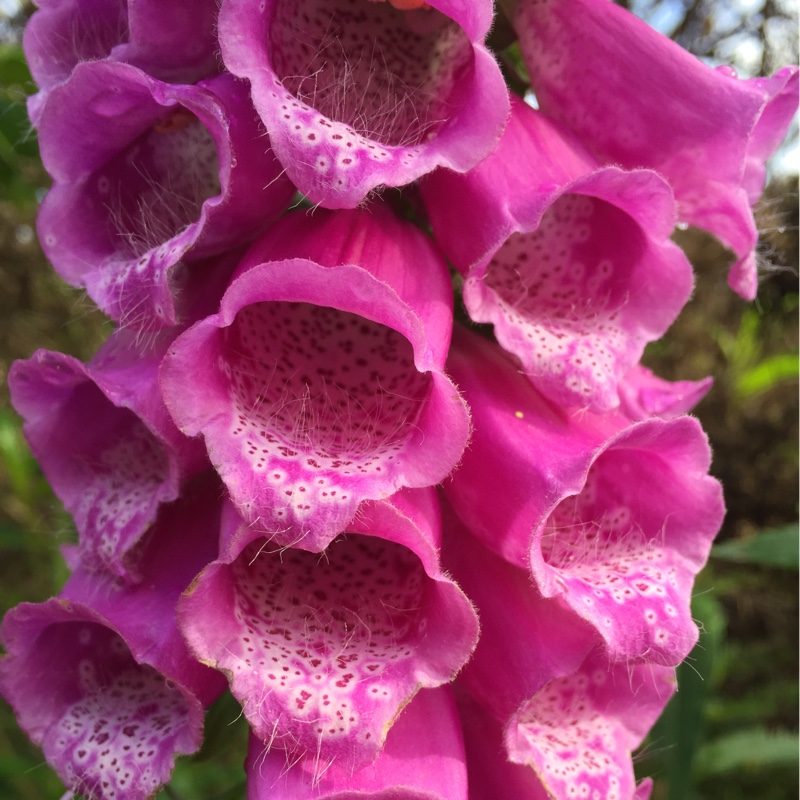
518 414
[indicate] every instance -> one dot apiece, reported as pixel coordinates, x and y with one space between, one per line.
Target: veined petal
323 650
420 761
171 41
651 104
322 381
570 261
355 96
106 443
149 176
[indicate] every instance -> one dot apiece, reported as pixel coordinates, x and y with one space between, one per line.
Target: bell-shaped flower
530 646
324 650
148 177
649 103
320 382
643 394
570 261
172 41
614 518
100 677
423 759
578 732
360 94
106 443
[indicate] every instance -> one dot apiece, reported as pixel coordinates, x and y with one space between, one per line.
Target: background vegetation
731 731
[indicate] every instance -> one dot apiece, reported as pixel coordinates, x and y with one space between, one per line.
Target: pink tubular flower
360 94
100 677
578 732
651 104
148 177
529 672
614 518
106 443
492 776
570 261
423 759
320 382
324 650
171 41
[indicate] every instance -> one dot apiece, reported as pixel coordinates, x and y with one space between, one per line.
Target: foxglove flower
363 94
171 41
491 775
324 650
579 731
147 177
421 761
320 382
652 104
542 675
614 518
100 678
106 443
571 262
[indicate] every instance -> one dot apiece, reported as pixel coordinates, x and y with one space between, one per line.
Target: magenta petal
624 550
320 384
491 775
423 759
148 177
526 640
578 732
643 394
61 34
110 726
106 444
615 519
101 678
651 104
324 650
182 541
172 41
570 262
355 99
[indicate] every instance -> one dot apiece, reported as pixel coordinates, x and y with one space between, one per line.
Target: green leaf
752 748
768 373
681 728
773 548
